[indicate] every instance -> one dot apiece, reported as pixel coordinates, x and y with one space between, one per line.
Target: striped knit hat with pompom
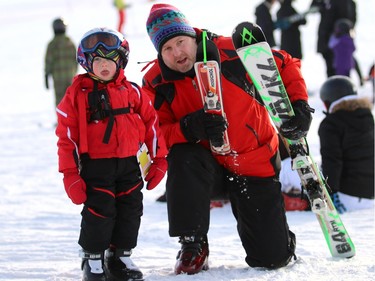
165 22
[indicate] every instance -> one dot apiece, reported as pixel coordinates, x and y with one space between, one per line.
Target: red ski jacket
253 139
84 128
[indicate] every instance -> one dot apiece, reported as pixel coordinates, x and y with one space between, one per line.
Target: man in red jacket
248 174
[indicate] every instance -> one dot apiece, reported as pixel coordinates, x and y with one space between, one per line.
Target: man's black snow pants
194 177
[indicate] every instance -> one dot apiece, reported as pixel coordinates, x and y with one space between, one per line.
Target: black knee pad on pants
258 207
283 262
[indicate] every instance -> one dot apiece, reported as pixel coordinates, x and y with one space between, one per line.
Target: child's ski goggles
108 39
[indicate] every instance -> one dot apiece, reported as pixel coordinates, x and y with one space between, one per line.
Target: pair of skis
257 58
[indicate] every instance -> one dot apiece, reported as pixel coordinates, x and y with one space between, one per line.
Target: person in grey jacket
60 60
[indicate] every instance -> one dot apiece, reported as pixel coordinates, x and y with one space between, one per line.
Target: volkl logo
280 106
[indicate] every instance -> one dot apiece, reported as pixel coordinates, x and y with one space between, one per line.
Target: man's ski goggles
92 41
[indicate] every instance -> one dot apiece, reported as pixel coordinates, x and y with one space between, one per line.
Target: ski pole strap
100 108
204 40
111 121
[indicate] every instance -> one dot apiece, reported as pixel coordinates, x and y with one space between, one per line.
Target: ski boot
193 256
92 266
120 267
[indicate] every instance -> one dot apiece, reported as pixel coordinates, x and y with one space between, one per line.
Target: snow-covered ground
39 226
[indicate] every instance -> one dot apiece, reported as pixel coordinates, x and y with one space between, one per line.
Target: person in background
249 173
60 60
352 16
103 121
290 34
264 20
342 45
121 9
330 12
371 78
347 144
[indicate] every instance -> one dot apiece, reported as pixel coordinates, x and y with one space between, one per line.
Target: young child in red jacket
103 121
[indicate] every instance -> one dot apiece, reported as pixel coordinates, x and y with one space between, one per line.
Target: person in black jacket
347 144
330 12
290 34
264 20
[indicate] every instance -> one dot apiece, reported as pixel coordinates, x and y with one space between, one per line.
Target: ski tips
249 25
247 33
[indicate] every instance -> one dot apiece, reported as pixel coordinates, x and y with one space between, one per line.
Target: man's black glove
199 125
46 81
298 126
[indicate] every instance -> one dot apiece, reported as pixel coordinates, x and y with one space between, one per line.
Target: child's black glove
298 126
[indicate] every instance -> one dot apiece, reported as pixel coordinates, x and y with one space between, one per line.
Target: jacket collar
350 103
87 81
172 75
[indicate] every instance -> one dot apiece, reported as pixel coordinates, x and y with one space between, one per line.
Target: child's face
105 69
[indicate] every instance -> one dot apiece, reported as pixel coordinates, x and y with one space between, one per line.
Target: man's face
179 53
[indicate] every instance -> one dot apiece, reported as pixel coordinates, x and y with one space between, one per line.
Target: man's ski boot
193 256
120 267
92 266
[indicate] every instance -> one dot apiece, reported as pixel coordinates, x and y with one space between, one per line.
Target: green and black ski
257 58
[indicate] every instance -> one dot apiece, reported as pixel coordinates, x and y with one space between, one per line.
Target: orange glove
157 171
75 187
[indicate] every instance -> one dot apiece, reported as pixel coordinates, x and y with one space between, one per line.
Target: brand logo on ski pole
211 73
247 37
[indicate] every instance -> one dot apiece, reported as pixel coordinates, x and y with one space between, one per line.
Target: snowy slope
39 226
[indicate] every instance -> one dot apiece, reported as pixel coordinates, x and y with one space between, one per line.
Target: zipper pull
195 85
